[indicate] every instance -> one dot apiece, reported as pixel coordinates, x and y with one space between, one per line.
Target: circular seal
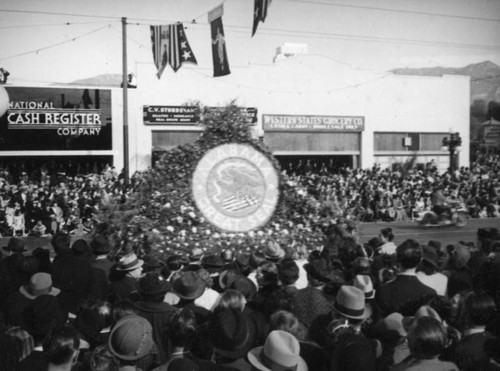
235 187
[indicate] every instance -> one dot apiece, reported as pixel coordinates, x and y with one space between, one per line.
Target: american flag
170 47
233 203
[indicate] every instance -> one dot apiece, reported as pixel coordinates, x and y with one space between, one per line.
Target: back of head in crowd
288 271
231 299
409 254
182 328
61 242
478 310
427 338
61 347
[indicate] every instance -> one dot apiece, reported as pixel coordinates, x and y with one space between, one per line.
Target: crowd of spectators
52 202
385 195
348 306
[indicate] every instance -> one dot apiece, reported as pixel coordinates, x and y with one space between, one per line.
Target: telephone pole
125 101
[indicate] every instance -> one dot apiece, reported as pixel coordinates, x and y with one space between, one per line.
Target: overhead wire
403 11
53 45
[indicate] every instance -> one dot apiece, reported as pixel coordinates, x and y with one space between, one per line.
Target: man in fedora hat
281 351
152 289
189 287
231 334
128 271
352 349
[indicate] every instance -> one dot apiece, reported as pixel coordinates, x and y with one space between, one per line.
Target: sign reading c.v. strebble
236 187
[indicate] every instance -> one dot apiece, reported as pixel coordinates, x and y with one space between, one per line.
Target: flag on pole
219 54
259 13
170 47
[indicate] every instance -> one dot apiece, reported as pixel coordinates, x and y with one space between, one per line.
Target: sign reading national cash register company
56 119
312 123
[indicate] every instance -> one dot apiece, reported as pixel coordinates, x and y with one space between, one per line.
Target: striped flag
233 203
170 47
259 13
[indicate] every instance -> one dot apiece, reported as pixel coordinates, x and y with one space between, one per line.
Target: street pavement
402 231
445 234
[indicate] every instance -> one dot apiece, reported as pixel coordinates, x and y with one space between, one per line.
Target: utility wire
396 10
49 24
53 45
302 33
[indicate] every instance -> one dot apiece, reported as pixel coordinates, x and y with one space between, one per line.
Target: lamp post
452 143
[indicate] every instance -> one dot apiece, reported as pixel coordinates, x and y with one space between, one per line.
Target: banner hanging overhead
259 13
219 54
170 47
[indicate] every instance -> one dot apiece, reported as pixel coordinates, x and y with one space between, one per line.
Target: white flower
208 231
216 235
251 234
192 215
182 232
170 228
167 205
156 231
194 229
285 231
260 233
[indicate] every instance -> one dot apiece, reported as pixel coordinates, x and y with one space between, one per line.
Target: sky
45 42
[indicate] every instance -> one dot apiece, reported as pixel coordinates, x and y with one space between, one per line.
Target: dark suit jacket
405 294
159 315
73 276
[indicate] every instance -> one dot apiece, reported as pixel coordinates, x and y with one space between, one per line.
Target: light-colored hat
364 283
40 284
131 338
350 302
129 262
274 252
281 351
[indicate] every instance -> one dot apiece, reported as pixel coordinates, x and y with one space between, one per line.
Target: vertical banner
259 13
170 47
219 54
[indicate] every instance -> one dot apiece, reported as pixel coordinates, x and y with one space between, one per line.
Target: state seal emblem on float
235 186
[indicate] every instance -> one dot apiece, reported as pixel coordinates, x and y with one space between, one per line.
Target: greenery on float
160 216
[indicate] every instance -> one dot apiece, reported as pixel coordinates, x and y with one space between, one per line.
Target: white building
397 117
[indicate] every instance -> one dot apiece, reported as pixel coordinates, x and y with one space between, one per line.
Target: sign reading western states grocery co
312 123
235 186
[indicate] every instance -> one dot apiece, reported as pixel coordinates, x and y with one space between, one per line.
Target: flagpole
125 101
